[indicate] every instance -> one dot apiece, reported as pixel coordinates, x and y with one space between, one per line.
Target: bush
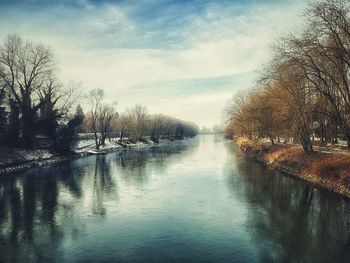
66 137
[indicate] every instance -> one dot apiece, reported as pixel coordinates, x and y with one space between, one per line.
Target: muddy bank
328 170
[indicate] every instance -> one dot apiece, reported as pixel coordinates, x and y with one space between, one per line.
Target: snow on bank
16 156
15 160
88 146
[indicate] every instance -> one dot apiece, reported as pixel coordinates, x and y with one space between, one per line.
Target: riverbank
328 170
17 160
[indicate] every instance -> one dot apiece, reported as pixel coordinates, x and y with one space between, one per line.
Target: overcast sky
183 58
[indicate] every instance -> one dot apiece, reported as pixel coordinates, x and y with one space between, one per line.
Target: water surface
197 200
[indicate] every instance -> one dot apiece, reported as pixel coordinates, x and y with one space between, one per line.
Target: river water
197 200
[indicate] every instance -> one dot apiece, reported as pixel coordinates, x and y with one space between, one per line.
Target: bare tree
27 72
95 97
139 116
24 70
123 124
156 126
101 116
105 118
311 70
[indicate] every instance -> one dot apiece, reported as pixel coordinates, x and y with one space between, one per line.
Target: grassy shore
329 170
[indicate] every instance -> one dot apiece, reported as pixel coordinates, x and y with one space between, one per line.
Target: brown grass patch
332 168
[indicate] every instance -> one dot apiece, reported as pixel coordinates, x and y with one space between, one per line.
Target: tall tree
95 97
101 116
24 69
105 118
27 73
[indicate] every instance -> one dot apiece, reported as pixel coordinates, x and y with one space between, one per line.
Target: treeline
304 90
135 123
35 105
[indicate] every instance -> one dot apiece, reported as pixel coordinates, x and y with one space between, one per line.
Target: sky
184 58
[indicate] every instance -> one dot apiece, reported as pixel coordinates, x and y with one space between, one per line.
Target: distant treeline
134 122
304 90
36 105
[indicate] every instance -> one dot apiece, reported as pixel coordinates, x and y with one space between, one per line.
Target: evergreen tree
79 116
66 136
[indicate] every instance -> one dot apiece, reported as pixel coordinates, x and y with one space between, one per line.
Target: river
196 200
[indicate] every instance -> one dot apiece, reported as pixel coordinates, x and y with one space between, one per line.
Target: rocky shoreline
317 168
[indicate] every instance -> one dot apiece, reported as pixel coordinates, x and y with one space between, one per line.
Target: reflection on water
195 200
300 223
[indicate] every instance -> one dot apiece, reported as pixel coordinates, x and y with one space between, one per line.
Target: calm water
198 200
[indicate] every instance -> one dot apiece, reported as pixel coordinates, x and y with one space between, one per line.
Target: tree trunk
28 127
348 140
305 139
336 134
103 137
97 144
121 134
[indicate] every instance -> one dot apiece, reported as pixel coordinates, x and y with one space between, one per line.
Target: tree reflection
103 184
133 164
138 164
25 201
29 206
43 208
301 223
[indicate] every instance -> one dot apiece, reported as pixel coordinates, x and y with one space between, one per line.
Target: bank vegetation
303 94
297 117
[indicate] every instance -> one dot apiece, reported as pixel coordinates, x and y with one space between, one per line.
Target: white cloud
94 47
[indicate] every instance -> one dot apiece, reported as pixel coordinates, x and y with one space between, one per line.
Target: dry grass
329 169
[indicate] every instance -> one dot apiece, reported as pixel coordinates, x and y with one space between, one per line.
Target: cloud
122 47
